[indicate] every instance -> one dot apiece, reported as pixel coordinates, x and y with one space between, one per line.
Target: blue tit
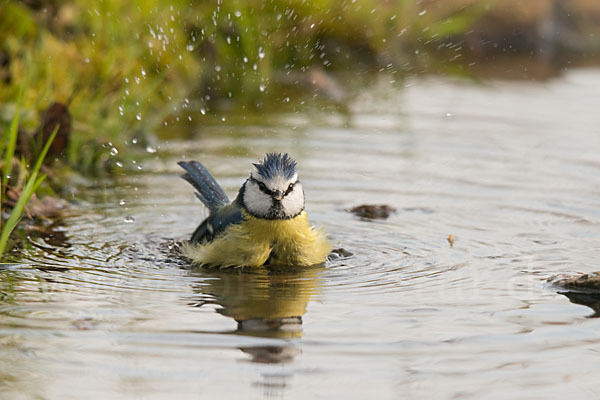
266 224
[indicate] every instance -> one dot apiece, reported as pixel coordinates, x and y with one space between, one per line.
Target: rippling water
510 169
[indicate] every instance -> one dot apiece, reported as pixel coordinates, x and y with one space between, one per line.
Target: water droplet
422 13
87 60
134 140
121 110
238 13
261 87
202 111
129 219
245 59
261 53
138 116
217 68
119 164
122 202
255 67
228 39
150 149
189 47
114 151
287 100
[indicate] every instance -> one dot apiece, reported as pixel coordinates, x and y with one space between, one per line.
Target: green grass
33 181
105 60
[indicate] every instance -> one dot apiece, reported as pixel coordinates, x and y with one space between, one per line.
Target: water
103 310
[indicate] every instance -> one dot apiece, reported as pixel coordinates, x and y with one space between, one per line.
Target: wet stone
373 211
583 289
579 282
339 253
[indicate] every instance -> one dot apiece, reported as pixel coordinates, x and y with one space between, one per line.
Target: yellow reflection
264 302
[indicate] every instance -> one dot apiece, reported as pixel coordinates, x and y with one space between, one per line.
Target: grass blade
30 187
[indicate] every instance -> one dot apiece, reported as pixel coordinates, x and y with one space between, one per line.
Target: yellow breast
256 241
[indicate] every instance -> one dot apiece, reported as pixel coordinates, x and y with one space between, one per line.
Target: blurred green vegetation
126 68
104 59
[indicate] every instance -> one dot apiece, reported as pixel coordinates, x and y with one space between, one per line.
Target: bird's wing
208 190
217 222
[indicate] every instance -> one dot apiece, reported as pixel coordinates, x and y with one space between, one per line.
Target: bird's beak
278 195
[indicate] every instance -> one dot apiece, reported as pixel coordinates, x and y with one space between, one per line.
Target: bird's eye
289 189
263 188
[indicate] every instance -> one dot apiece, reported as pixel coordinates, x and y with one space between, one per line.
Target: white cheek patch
293 203
257 202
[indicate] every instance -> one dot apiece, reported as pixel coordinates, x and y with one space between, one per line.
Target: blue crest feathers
275 164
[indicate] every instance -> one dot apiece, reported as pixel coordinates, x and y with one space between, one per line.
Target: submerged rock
373 211
583 289
591 300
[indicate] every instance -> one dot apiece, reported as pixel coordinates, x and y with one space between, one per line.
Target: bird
265 225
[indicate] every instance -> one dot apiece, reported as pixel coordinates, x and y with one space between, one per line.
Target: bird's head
273 190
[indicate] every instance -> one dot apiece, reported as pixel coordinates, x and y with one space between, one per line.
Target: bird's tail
208 190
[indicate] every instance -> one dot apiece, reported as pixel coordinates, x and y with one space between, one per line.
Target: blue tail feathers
208 190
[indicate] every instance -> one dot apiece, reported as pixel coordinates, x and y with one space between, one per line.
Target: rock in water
373 211
583 289
578 282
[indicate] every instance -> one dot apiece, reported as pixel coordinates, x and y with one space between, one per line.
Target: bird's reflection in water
265 303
